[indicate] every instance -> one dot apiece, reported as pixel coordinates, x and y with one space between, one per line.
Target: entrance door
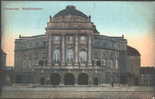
55 79
69 79
83 79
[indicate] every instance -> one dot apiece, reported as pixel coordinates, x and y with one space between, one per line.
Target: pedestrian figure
112 83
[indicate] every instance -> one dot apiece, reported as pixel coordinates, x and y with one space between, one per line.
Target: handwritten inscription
23 9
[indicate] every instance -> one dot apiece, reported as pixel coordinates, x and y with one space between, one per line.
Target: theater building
72 52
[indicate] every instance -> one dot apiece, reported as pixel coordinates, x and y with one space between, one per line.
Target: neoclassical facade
72 52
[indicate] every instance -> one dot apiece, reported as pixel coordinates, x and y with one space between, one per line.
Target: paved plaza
80 92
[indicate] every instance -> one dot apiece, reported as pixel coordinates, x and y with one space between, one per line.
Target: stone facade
71 52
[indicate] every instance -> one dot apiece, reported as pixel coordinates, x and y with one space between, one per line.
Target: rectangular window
56 38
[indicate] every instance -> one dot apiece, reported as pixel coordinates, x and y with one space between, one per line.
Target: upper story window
56 56
83 56
56 38
70 56
69 38
83 38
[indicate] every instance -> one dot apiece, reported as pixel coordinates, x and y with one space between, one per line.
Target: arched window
70 56
56 56
83 56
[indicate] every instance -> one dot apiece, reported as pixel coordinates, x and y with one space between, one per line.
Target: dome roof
70 10
132 51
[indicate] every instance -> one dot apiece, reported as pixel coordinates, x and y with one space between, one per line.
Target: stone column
76 50
89 51
63 50
50 51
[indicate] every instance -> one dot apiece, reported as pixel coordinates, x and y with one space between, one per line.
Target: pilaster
89 50
50 51
63 50
76 50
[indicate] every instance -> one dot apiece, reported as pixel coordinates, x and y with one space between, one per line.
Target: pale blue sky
136 20
114 18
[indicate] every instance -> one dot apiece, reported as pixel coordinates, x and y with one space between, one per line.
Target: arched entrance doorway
83 79
69 79
95 81
55 79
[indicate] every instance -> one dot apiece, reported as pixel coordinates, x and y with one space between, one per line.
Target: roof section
70 10
132 51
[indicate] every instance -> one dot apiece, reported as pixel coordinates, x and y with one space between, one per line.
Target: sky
134 20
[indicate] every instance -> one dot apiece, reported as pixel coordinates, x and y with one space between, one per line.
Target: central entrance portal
55 79
69 79
83 79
